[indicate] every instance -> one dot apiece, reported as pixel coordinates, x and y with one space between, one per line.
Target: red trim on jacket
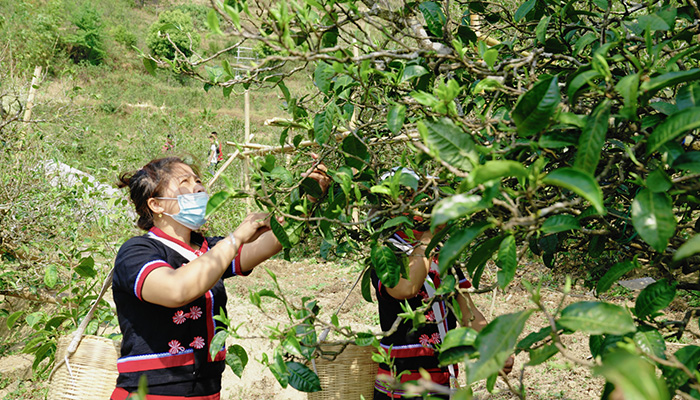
169 361
437 375
150 267
122 394
203 249
414 351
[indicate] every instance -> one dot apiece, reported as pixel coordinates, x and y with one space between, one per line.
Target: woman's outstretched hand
319 175
253 225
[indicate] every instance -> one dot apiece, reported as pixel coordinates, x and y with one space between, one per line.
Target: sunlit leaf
652 217
455 207
237 359
496 169
449 143
495 344
596 318
506 261
687 249
51 276
578 182
386 265
634 376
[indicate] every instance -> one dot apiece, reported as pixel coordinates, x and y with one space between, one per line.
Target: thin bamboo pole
32 93
246 160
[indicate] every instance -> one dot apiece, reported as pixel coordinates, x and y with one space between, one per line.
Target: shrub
87 42
123 36
178 25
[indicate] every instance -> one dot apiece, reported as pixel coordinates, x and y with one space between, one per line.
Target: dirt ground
557 378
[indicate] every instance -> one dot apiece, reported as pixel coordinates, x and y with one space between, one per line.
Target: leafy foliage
565 126
172 34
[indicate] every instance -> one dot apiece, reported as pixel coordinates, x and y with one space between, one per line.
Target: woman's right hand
253 225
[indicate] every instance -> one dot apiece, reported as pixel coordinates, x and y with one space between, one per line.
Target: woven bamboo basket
349 375
91 372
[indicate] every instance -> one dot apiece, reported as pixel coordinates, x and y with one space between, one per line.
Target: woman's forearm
259 250
176 287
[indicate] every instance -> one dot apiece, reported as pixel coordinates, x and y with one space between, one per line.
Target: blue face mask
193 207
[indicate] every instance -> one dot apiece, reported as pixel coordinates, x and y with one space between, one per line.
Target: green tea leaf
534 109
454 207
524 9
654 297
653 85
673 127
506 261
628 88
687 249
584 76
652 217
434 17
449 143
237 359
649 340
150 66
542 354
366 285
280 233
613 274
86 268
302 378
560 223
413 71
395 118
688 96
51 276
689 161
495 344
578 182
541 29
658 181
386 265
633 376
323 77
496 169
324 123
12 319
216 201
592 138
213 22
458 243
479 257
217 343
676 377
596 318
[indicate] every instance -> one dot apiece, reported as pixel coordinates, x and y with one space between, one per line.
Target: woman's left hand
318 174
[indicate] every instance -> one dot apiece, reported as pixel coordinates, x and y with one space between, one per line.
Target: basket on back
91 372
348 376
